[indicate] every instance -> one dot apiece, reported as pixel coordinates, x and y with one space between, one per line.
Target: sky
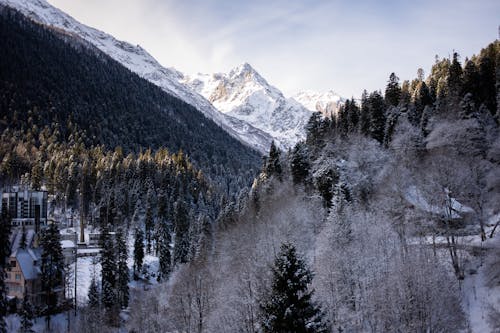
316 45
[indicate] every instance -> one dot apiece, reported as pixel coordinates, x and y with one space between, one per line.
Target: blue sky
318 45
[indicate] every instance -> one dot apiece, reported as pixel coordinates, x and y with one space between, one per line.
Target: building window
13 263
18 276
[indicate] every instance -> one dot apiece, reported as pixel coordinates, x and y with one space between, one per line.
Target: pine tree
299 163
377 116
4 254
94 295
123 273
109 269
405 97
289 307
27 315
342 121
392 91
313 129
181 223
52 267
326 183
471 80
364 116
273 165
138 252
164 249
455 79
353 115
149 225
36 175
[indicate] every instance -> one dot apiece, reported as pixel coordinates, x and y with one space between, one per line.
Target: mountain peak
244 69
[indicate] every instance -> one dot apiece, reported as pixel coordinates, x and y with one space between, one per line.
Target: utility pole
76 265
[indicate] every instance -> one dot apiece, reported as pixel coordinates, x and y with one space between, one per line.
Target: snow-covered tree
289 306
27 315
52 267
123 273
138 251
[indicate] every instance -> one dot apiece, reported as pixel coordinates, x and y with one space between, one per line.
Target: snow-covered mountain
244 94
327 103
139 61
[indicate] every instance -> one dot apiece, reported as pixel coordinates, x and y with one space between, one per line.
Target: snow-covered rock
244 94
142 63
327 103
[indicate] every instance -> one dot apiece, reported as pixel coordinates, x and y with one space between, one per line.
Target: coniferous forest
384 219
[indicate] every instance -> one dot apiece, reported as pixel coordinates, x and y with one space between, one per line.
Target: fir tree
377 116
4 254
405 97
123 273
313 129
289 307
454 79
299 163
364 116
325 184
273 165
138 252
149 225
392 91
36 175
109 269
353 115
164 249
52 267
94 295
181 222
471 82
27 315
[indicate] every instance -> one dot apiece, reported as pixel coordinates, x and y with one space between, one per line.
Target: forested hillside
50 81
392 206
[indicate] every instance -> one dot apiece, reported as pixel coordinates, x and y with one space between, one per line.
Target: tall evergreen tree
364 116
353 114
299 163
289 307
164 251
122 289
149 226
94 295
108 269
273 164
392 90
454 83
52 269
181 223
377 116
138 251
27 314
4 254
313 129
471 80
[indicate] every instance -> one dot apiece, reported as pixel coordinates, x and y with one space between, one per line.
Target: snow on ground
479 295
58 323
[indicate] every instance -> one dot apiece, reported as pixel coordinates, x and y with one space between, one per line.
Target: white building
25 207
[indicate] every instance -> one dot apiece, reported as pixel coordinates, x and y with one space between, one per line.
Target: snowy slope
244 94
327 103
139 61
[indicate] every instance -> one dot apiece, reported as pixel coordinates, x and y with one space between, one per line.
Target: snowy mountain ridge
327 103
142 63
244 94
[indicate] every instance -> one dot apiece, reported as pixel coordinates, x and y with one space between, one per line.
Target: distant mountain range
241 102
